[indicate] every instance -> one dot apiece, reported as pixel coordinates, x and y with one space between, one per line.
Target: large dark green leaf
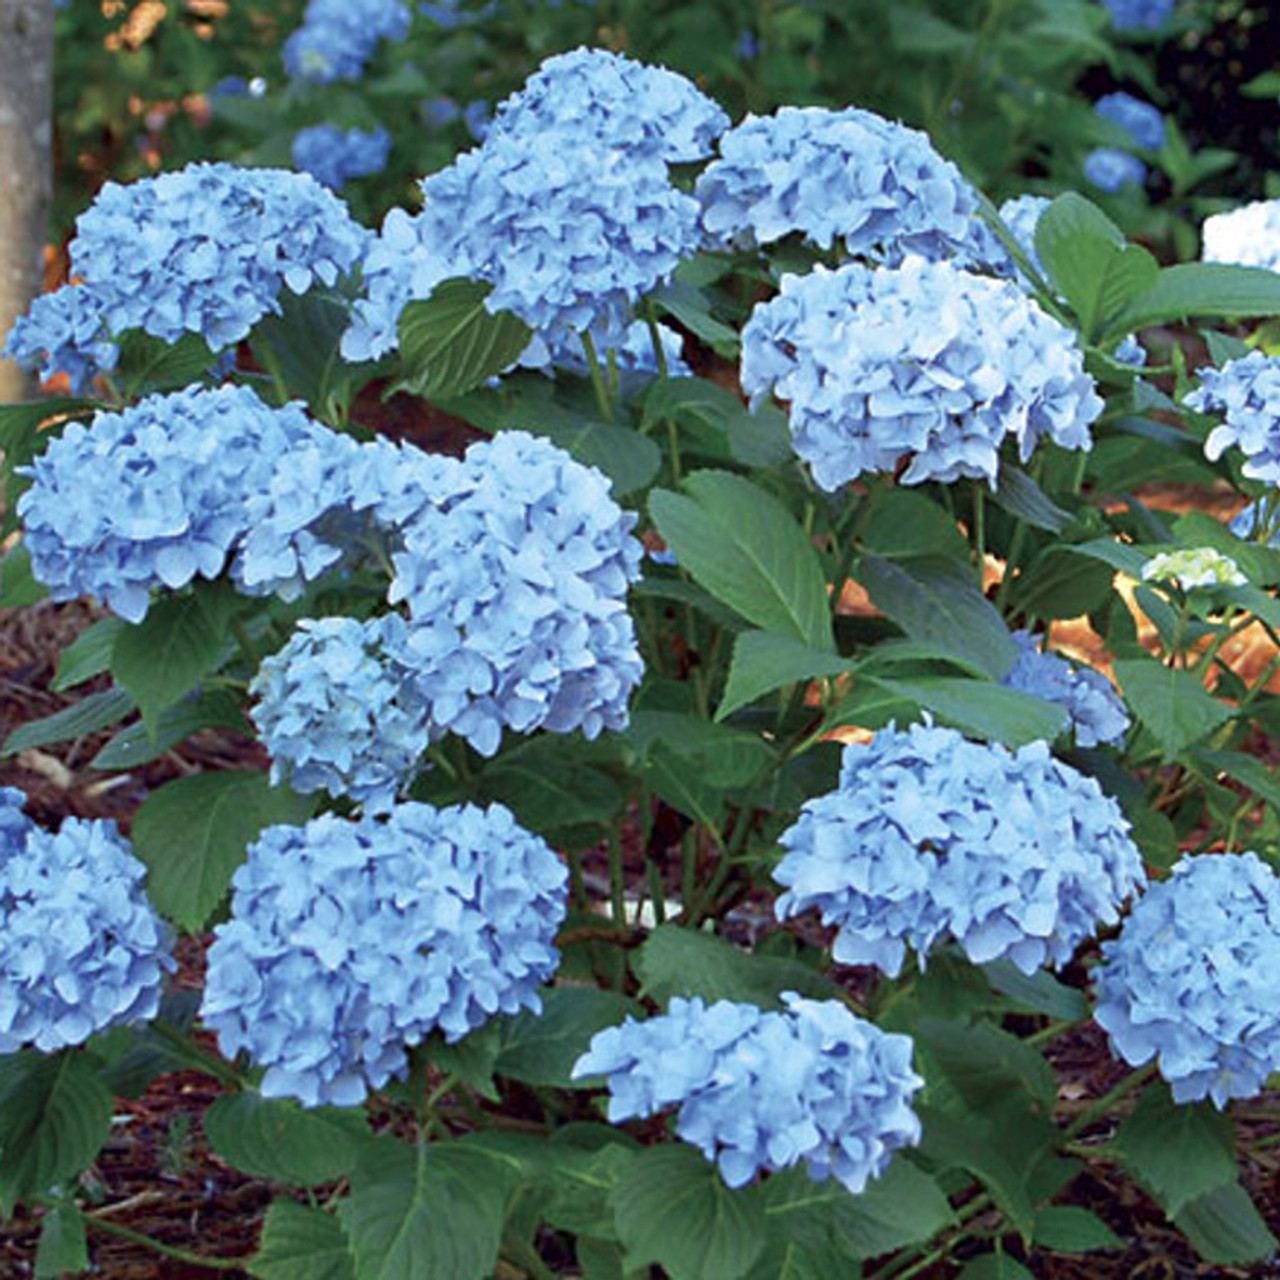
541 1049
193 832
903 523
764 661
90 715
18 587
1224 1226
204 709
981 708
63 1249
88 655
722 756
302 1243
1071 1229
1201 289
1172 703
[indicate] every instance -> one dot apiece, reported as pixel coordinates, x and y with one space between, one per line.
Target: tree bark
26 165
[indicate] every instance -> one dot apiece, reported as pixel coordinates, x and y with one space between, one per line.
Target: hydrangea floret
337 38
1248 236
1192 567
1246 392
516 592
1013 854
850 178
1140 120
568 236
1190 980
155 495
81 948
1021 215
1139 15
924 362
812 1084
63 332
349 942
208 249
595 94
1110 169
336 714
1095 711
334 156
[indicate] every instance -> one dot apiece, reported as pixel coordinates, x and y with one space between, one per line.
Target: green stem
656 892
245 641
980 528
597 376
655 336
1135 1080
617 881
165 1250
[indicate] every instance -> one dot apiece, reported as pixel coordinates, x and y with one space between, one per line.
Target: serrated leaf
88 655
165 655
63 1248
192 834
1178 1152
764 661
451 342
1172 703
18 588
724 756
1123 556
277 1139
674 1209
904 524
431 1210
205 709
1244 768
1223 1225
1201 289
689 305
1040 991
744 546
984 1064
90 715
55 1114
995 1266
982 708
1019 495
541 1049
685 962
1070 1229
938 602
302 1243
149 364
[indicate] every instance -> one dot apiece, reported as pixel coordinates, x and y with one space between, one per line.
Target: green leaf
984 1064
20 422
166 654
18 588
1123 556
1019 495
674 1209
63 1248
1201 289
685 962
689 305
1178 1152
904 1206
677 591
451 342
1057 584
903 523
88 655
744 546
1260 564
1224 1226
1244 768
192 834
982 708
629 459
723 756
995 1266
668 773
1069 1229
277 1139
584 1182
764 660
55 1114
150 364
204 709
1172 703
90 715
938 602
302 1243
1040 991
435 1210
717 421
541 1049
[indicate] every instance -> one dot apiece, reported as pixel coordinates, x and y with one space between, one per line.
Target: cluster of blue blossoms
1190 981
63 332
1111 168
1139 15
876 188
1095 711
1014 855
81 949
337 38
925 361
1247 394
812 1084
334 156
349 942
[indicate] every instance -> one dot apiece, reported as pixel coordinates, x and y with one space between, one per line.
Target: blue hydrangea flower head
1095 711
595 94
63 332
1140 120
209 248
336 714
850 178
352 941
925 362
1190 981
1139 15
1248 236
1246 392
337 38
155 495
81 948
631 352
1191 567
334 156
812 1084
568 236
1014 855
516 590
1110 169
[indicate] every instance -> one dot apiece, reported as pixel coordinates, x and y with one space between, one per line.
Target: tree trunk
26 165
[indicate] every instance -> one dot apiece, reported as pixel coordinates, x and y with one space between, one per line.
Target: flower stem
165 1250
1135 1080
597 376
